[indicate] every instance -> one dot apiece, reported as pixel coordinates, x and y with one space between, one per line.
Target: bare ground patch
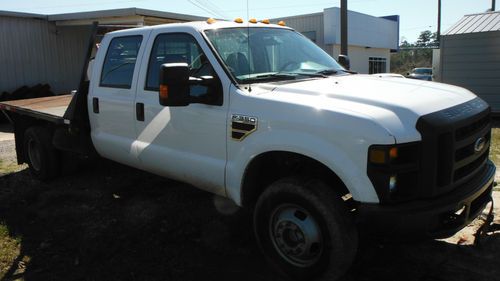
110 222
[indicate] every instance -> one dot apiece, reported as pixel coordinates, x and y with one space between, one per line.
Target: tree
413 55
404 44
424 39
435 40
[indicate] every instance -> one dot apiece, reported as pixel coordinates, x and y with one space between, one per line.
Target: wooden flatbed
47 108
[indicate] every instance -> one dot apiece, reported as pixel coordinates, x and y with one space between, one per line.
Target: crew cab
258 113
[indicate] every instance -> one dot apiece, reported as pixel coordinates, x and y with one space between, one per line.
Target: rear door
186 143
112 95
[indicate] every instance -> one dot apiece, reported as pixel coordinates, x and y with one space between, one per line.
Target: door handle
95 105
139 111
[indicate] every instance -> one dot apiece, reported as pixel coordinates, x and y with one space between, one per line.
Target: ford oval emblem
479 144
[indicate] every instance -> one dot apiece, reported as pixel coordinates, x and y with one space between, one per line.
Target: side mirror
345 62
174 84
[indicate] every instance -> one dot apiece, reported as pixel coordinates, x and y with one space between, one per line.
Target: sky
415 15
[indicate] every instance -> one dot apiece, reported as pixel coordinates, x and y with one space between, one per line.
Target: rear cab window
119 64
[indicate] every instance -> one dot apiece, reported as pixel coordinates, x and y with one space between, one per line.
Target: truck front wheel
305 230
40 154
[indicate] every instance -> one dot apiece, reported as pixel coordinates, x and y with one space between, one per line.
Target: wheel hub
296 235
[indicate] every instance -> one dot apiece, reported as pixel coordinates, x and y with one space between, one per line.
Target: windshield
271 54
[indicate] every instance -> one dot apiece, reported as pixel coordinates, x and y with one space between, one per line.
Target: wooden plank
47 108
46 104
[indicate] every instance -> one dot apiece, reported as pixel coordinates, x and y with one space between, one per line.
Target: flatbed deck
47 108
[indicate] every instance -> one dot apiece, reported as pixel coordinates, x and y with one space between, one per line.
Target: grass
495 150
7 167
495 146
9 249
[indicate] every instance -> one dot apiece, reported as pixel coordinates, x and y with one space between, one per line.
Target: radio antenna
248 46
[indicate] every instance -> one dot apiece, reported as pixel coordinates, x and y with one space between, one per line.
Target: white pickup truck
258 113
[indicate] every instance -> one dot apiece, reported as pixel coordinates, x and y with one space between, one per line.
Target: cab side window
175 48
119 64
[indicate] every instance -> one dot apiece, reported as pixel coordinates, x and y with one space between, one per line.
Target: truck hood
394 103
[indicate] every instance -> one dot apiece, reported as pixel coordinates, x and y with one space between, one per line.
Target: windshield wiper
283 76
270 76
327 72
349 71
314 74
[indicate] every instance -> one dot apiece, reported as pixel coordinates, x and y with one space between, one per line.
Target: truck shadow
116 223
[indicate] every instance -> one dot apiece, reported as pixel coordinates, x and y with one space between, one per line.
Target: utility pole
493 5
343 27
438 33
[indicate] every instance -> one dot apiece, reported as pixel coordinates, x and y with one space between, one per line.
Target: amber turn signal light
164 91
377 156
393 153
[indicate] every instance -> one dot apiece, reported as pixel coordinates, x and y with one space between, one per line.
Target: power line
84 4
298 6
211 6
200 5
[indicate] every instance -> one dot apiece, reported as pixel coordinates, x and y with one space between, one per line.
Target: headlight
393 171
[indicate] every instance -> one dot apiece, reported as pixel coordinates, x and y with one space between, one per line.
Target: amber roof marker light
211 20
252 21
282 23
265 21
238 20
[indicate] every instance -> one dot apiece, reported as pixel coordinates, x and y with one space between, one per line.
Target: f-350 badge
242 126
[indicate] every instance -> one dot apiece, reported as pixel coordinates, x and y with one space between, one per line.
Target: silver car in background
422 73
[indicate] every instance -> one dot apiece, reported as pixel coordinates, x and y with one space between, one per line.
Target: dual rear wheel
39 153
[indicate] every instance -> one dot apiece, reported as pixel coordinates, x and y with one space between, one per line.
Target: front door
186 143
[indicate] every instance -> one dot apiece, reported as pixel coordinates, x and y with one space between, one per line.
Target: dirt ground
110 222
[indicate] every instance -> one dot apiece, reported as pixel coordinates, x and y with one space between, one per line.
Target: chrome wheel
296 235
34 154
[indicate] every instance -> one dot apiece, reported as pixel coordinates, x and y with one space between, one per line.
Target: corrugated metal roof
474 23
21 15
105 13
123 12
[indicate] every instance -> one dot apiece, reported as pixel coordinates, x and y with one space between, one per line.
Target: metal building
370 39
470 56
50 49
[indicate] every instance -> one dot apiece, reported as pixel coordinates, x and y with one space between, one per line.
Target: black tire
41 156
316 208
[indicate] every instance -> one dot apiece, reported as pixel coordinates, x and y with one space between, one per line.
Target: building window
310 34
377 65
119 64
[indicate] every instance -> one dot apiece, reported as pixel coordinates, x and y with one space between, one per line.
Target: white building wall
364 30
308 23
359 57
363 41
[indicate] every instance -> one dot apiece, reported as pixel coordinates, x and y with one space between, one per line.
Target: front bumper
434 218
